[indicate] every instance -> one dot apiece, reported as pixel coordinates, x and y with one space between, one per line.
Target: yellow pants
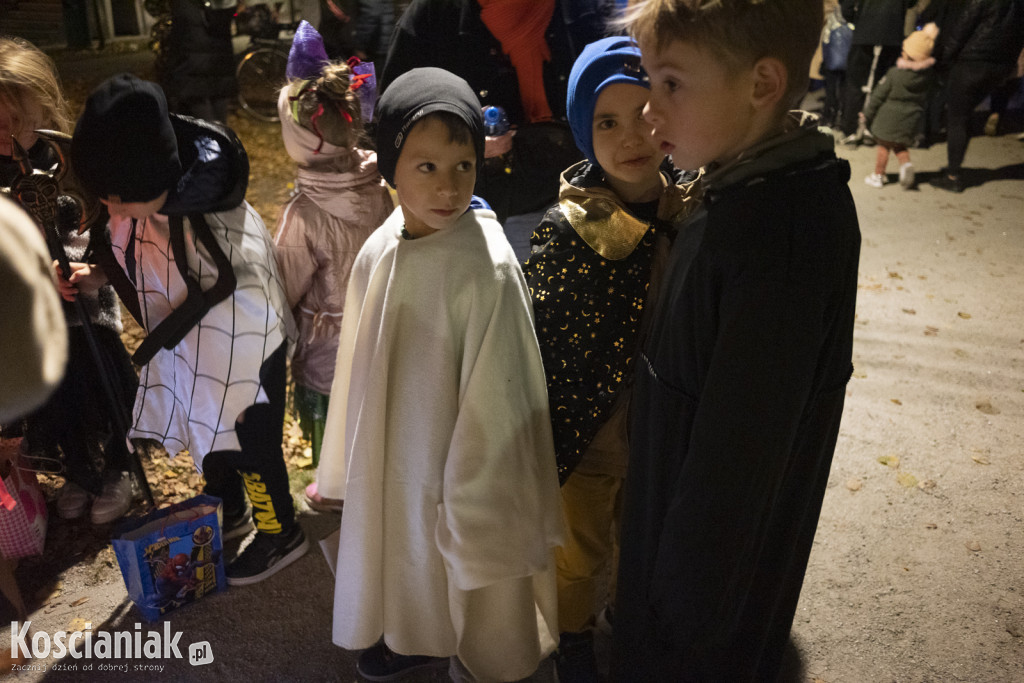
588 562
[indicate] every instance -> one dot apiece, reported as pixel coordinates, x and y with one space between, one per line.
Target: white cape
438 438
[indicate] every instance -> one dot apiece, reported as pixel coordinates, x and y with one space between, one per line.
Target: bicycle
261 68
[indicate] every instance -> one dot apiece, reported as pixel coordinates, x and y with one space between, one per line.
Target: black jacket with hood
215 176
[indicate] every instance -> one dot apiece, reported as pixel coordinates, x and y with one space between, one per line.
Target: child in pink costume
340 198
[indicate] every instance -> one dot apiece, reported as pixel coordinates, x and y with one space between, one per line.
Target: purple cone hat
307 58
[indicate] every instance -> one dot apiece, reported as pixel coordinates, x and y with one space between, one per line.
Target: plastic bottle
495 121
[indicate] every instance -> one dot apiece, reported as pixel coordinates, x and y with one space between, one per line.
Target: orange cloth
520 26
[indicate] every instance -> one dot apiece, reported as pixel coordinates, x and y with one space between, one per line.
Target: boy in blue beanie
589 273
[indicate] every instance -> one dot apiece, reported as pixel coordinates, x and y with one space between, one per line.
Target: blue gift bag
172 556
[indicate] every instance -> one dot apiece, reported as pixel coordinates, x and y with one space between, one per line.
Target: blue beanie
610 60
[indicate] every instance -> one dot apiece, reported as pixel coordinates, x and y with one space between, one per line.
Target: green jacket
898 101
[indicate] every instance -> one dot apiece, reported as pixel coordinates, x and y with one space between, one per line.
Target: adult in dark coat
452 35
980 50
876 22
199 76
942 13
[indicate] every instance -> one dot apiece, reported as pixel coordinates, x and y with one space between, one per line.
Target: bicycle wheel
261 74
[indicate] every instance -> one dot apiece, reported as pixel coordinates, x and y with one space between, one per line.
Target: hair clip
357 80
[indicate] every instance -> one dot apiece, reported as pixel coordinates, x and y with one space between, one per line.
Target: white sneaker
115 500
992 124
875 180
907 175
72 501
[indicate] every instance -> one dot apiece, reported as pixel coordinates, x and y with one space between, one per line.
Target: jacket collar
602 220
800 140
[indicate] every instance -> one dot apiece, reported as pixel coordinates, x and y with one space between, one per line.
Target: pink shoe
321 504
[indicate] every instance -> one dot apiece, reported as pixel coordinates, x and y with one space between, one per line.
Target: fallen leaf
80 601
926 484
48 593
960 352
78 624
894 275
931 525
981 460
910 311
906 480
854 484
973 546
965 316
930 331
986 407
896 401
304 462
892 461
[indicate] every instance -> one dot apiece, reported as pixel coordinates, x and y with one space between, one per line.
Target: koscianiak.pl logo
137 644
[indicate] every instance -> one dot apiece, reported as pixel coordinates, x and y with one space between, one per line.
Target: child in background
897 104
741 381
340 198
589 274
194 264
437 435
835 47
76 420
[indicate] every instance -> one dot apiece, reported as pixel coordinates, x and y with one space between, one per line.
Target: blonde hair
740 32
27 72
332 91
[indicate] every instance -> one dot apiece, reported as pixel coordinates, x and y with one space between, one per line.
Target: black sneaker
236 523
946 181
266 555
574 659
379 663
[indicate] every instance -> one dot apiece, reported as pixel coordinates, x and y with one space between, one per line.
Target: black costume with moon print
589 274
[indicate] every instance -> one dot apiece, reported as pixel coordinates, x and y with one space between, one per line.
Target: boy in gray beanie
437 433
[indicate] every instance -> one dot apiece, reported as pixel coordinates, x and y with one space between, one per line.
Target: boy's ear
770 82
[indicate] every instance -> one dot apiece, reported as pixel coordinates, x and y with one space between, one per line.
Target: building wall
42 21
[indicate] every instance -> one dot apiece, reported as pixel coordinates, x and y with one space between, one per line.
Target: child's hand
495 146
85 279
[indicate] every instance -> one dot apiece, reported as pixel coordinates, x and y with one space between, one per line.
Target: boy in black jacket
741 382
